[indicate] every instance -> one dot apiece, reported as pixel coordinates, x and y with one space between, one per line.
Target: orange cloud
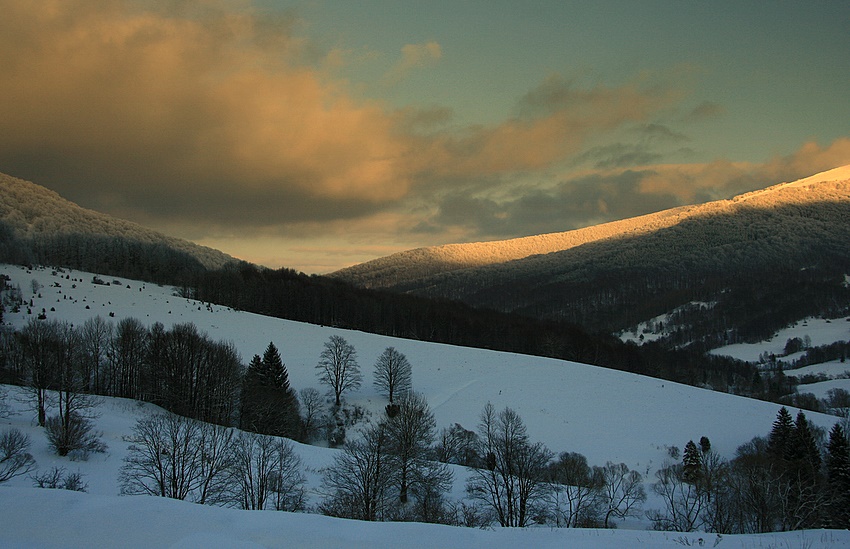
209 96
555 120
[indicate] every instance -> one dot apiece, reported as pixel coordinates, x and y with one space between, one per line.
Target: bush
59 478
15 460
73 435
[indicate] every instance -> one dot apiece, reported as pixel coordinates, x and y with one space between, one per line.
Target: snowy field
821 332
604 414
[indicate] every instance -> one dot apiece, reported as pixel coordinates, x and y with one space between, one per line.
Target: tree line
397 468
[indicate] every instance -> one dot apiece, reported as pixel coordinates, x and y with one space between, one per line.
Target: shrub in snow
73 434
59 478
15 460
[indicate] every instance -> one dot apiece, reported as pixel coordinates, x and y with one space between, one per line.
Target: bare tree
180 458
287 479
312 410
216 459
393 374
71 429
338 367
5 409
459 446
127 351
38 346
623 491
96 334
357 482
514 477
411 433
15 459
683 500
575 497
266 468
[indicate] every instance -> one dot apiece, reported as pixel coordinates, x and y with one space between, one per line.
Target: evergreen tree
780 437
274 372
691 464
269 404
805 450
802 474
838 477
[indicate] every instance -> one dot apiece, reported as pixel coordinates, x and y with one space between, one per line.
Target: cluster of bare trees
397 471
521 483
389 473
176 457
180 369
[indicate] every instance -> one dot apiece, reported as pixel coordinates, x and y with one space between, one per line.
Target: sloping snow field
603 414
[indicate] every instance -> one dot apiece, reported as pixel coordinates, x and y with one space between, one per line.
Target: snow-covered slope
604 414
36 518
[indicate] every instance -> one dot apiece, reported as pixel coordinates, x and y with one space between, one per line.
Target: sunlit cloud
212 121
594 196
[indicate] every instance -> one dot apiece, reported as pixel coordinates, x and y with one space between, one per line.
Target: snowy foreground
603 414
58 518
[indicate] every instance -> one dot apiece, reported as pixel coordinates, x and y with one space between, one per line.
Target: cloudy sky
315 134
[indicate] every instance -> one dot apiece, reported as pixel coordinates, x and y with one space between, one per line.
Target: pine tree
779 439
274 372
805 450
838 477
802 467
691 464
269 404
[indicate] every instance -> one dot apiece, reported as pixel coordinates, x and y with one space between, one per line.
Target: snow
821 331
604 414
832 369
128 522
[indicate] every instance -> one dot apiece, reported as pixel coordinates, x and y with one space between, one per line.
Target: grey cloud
704 111
618 155
659 132
572 204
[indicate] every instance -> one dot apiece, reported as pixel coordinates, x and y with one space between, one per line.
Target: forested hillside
39 226
606 285
736 270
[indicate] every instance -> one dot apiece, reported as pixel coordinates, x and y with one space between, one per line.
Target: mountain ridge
385 272
783 251
34 219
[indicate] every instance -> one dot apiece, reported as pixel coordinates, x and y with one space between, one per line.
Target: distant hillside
39 226
758 260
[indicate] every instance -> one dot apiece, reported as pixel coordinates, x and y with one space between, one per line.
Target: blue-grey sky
315 134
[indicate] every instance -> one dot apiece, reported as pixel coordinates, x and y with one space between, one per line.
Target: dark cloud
659 132
618 155
706 110
571 204
616 193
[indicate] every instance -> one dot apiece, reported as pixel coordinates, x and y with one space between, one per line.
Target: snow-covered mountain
37 222
612 276
603 414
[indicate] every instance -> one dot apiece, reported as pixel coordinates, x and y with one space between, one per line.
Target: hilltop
39 226
759 261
